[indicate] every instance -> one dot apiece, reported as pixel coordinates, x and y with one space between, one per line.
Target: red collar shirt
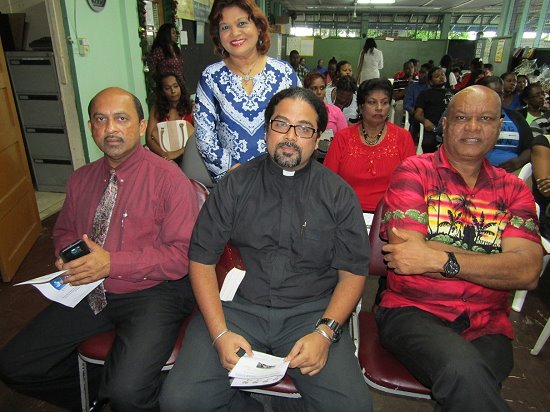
151 224
426 194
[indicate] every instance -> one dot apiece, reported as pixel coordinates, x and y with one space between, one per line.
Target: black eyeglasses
303 132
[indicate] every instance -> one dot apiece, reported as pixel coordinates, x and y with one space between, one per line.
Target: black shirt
434 102
293 232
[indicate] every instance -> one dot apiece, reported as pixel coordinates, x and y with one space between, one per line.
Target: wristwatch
334 326
451 267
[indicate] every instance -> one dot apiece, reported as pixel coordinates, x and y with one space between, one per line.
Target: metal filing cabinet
38 98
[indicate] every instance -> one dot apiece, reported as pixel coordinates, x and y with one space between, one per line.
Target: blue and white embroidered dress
229 124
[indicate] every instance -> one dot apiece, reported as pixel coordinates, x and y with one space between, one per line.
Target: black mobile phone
74 251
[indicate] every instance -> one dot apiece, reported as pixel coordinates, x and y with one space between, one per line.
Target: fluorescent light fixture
375 1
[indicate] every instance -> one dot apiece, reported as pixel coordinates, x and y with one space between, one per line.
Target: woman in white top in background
445 63
370 62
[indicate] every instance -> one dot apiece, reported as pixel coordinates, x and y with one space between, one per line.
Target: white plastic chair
545 334
391 114
407 125
519 297
419 150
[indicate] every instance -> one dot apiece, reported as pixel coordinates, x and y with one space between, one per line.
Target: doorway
49 188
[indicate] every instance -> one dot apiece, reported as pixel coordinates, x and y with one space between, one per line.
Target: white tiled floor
49 203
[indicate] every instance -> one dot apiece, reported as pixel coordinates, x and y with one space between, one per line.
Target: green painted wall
395 52
114 58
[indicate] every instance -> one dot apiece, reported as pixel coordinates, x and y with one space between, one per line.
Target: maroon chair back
377 266
381 369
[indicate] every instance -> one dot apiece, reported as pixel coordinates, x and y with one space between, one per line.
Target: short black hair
524 95
426 66
503 76
371 85
299 93
346 83
433 70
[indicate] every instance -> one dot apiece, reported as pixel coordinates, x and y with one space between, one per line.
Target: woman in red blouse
366 154
172 103
166 56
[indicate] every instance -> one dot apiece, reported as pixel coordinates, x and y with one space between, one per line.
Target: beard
288 160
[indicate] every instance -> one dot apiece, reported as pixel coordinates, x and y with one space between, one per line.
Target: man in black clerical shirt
304 244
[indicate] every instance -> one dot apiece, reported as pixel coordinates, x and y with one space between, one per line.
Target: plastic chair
381 369
545 334
519 297
407 125
391 114
419 150
96 348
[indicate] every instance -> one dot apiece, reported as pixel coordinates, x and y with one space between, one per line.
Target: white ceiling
408 6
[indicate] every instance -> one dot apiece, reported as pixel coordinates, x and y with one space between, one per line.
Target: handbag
173 134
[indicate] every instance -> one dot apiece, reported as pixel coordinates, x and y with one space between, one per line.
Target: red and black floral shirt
426 194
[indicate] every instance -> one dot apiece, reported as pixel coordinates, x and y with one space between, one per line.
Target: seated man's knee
183 400
123 396
464 371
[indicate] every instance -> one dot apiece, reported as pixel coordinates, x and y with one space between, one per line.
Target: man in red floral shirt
461 234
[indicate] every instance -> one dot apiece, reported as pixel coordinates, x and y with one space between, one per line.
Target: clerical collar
278 170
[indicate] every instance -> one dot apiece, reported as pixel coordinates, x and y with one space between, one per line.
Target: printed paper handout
52 288
259 370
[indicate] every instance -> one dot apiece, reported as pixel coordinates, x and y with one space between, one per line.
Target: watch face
451 268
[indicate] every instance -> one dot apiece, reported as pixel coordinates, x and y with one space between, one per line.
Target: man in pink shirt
143 261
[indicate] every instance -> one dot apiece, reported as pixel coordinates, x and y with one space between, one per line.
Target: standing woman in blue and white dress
233 93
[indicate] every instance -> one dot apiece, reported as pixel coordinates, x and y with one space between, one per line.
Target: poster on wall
500 50
185 10
202 9
197 10
303 45
306 47
479 48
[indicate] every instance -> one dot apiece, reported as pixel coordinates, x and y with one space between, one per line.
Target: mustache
289 144
112 136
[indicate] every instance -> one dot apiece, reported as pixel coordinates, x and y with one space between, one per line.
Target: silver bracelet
323 334
219 336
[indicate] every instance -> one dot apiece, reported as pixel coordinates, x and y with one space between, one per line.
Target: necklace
371 141
246 77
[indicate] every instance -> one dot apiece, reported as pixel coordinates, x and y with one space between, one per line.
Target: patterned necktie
100 227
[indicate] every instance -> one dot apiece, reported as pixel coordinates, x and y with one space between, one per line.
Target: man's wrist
331 326
324 334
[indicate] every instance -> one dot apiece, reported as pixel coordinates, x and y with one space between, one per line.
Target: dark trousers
41 361
429 142
198 382
463 375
